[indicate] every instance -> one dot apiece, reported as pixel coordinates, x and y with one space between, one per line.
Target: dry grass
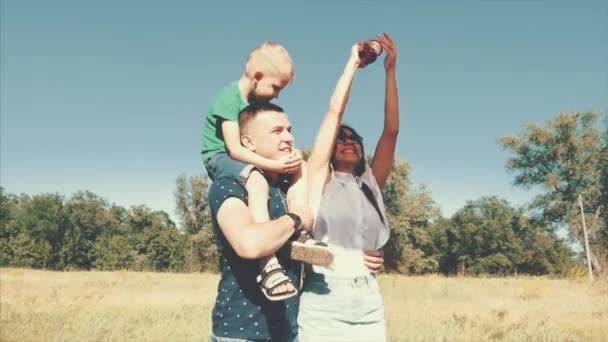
495 309
130 306
105 306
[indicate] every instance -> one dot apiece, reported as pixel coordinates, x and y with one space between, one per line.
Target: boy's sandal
314 253
271 278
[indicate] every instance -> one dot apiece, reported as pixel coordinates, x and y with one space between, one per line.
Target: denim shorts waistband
360 280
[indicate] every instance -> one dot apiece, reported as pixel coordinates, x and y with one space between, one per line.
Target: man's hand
390 61
374 260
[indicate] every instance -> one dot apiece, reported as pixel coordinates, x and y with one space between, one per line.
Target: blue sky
110 96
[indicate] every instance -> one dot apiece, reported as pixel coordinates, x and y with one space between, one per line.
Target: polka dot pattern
241 311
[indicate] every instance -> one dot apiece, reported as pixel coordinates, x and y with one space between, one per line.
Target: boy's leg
221 165
257 190
210 166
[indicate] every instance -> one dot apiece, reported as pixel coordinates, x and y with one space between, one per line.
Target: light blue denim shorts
341 309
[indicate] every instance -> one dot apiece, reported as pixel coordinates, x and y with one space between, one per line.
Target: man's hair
270 58
253 109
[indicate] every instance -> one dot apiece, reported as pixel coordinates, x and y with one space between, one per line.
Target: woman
345 303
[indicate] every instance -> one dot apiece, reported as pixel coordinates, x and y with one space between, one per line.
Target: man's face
269 87
269 135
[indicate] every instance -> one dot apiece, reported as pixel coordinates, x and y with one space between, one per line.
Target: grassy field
130 306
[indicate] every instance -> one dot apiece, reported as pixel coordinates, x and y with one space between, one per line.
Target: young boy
268 70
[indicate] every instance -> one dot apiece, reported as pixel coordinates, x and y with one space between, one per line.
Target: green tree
565 159
602 225
489 236
543 252
28 252
113 252
156 240
39 219
411 212
164 248
9 229
8 207
87 217
192 206
201 252
482 239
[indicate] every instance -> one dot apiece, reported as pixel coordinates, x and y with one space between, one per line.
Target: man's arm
252 240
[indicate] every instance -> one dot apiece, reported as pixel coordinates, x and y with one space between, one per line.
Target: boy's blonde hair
270 58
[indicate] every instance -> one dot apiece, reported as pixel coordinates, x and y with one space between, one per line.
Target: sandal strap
269 283
270 271
281 282
305 236
271 268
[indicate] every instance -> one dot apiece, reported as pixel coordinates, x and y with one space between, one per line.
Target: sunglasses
343 137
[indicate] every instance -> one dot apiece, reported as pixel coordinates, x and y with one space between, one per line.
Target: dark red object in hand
370 51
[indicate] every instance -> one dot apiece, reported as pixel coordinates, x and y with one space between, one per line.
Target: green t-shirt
226 106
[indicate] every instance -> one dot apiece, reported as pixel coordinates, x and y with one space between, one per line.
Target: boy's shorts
220 165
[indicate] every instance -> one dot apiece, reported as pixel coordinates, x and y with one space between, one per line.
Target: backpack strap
370 196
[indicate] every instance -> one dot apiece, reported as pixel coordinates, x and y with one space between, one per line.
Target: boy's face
268 87
269 135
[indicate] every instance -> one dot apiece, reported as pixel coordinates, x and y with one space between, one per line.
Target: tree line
565 158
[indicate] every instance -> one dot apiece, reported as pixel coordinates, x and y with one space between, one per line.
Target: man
241 312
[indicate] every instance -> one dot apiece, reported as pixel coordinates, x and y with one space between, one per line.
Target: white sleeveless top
348 222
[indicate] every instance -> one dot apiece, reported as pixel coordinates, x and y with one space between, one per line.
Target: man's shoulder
223 188
227 183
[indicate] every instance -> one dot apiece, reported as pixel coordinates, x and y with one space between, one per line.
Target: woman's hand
390 61
374 260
